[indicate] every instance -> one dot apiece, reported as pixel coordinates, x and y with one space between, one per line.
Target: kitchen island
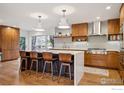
78 63
78 57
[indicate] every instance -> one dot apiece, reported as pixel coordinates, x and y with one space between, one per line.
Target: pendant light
39 25
63 24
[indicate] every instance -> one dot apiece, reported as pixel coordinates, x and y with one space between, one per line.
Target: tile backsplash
93 42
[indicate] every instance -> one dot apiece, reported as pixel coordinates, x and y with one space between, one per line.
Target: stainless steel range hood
96 29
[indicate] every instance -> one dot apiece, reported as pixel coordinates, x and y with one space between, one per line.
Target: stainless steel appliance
97 51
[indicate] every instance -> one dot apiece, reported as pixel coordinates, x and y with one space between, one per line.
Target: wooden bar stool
34 58
23 58
48 59
66 60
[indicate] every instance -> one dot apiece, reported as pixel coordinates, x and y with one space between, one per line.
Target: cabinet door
6 38
15 44
98 60
122 14
113 26
75 30
83 29
87 59
113 60
15 39
117 26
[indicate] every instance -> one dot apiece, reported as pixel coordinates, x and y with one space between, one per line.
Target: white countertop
64 51
59 51
78 49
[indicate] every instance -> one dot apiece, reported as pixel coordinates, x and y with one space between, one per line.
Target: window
42 42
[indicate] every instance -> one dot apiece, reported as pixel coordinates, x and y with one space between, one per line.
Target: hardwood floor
9 75
95 79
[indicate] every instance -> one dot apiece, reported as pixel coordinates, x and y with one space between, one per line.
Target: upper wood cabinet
113 26
80 29
75 29
121 14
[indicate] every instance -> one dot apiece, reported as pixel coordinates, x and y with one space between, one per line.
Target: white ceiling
19 14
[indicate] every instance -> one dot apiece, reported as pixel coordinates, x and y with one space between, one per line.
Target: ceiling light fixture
39 26
36 14
63 24
68 8
108 7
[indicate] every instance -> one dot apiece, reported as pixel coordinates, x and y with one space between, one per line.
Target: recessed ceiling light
97 17
69 9
35 15
108 7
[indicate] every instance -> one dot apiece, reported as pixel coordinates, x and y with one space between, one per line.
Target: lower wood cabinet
121 71
113 60
109 60
99 59
87 58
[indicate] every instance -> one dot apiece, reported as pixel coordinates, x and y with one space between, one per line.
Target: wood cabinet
109 60
9 38
79 32
87 58
97 60
75 29
113 26
113 59
121 14
121 71
80 29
